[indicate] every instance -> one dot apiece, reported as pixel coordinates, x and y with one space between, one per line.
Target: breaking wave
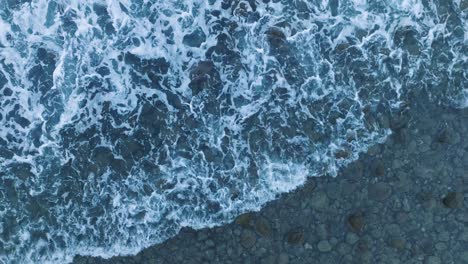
123 121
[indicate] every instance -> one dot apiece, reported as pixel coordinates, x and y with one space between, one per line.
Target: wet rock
374 150
424 246
210 253
444 136
295 237
343 249
362 246
248 239
423 172
194 39
283 258
202 236
324 246
244 220
392 229
321 231
379 191
260 252
401 217
432 260
427 200
379 169
319 200
444 236
453 200
262 226
210 243
333 190
397 243
464 257
351 238
462 217
269 259
356 221
440 246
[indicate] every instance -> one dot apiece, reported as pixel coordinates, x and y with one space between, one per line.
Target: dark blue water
123 121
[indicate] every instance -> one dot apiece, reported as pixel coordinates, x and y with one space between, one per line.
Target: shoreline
404 201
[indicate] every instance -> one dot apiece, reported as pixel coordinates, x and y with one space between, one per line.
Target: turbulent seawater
123 121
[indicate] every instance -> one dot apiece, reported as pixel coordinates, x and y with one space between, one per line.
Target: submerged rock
194 39
204 75
276 38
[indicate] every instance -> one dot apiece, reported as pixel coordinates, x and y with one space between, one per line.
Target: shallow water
122 122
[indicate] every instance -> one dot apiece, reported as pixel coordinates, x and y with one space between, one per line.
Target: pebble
295 237
269 259
319 200
393 229
432 260
444 236
397 243
356 221
463 217
248 239
453 200
321 231
261 251
351 238
262 226
210 243
324 246
427 200
402 217
343 248
202 236
333 190
464 236
362 246
379 169
379 191
244 220
209 253
283 258
464 257
444 137
440 246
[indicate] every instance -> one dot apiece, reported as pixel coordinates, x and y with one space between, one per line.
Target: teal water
123 121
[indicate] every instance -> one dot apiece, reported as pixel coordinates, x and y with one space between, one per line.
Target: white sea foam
108 147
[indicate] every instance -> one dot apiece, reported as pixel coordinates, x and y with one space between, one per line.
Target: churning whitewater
123 121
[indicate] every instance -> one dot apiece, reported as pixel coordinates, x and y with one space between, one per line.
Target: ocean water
123 121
